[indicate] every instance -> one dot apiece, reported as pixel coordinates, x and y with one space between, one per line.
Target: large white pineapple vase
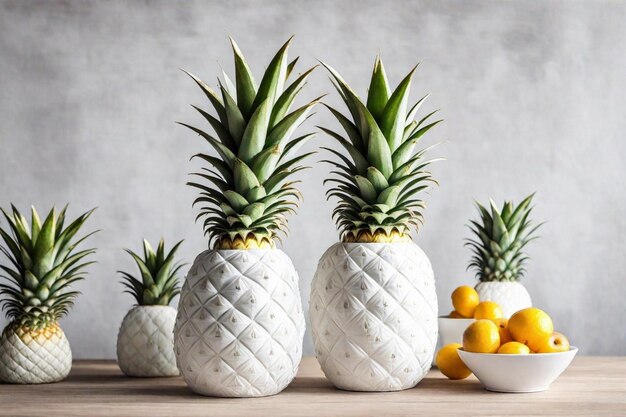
373 304
42 264
240 324
500 236
145 342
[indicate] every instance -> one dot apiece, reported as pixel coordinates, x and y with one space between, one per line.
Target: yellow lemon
455 315
514 348
450 364
487 310
531 327
465 299
503 329
482 336
556 342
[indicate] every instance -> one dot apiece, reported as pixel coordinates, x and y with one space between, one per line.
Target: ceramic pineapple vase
374 315
42 264
34 357
500 236
145 343
373 305
240 323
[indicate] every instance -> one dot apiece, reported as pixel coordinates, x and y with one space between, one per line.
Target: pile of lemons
528 331
467 305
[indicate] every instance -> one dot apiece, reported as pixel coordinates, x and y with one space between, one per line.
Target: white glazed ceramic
240 324
145 342
511 296
517 373
28 359
373 312
451 330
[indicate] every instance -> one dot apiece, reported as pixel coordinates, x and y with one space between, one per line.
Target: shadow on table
321 384
129 389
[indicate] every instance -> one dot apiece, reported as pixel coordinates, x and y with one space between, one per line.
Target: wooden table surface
592 386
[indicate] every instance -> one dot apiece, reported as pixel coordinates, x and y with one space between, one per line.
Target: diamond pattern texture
240 324
511 296
34 360
373 314
145 342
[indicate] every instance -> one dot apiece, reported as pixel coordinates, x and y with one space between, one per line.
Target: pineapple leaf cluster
246 194
500 237
377 182
159 270
43 263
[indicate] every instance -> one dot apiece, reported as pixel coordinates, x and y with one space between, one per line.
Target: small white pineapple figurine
42 262
500 237
373 305
145 342
240 323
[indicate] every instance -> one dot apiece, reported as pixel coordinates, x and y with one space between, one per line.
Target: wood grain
592 386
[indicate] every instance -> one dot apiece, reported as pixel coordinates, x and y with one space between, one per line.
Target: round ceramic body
510 295
145 342
373 315
240 324
36 357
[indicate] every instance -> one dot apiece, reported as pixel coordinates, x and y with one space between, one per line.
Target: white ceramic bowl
451 330
517 373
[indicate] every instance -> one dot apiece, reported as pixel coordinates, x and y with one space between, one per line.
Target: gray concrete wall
532 94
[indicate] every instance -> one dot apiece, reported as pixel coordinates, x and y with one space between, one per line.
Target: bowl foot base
521 391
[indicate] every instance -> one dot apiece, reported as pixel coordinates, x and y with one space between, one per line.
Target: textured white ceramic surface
451 330
240 323
34 361
518 373
145 342
373 315
511 296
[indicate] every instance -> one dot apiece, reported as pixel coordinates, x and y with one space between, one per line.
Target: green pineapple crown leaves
377 184
42 265
159 281
500 237
246 194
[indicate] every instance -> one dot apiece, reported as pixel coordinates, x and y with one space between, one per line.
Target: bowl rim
454 318
573 349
